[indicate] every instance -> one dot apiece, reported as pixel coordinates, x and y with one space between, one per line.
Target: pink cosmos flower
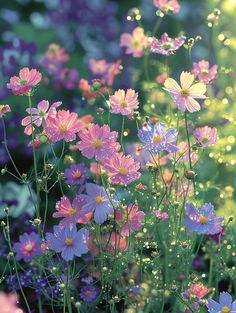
71 212
25 82
64 125
56 53
132 218
122 169
135 43
4 108
8 303
39 115
195 291
98 142
166 45
124 103
182 155
206 136
204 73
113 69
28 247
167 6
160 216
184 95
98 67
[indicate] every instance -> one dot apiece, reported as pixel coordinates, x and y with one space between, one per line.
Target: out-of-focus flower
98 67
204 73
96 200
182 155
124 103
88 293
226 304
39 115
28 247
56 53
157 138
8 303
26 81
98 142
202 221
71 212
206 136
160 79
134 43
64 125
122 169
68 241
184 96
160 216
167 6
4 108
166 45
76 174
132 218
195 291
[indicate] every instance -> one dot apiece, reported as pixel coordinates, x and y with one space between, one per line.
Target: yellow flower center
99 199
68 242
124 104
204 72
29 247
41 114
88 293
225 309
77 174
157 139
72 212
97 144
63 128
136 43
123 171
203 220
23 82
167 45
184 93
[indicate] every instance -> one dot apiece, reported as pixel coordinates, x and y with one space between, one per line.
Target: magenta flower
76 174
28 247
184 95
71 212
4 108
68 241
166 45
134 43
9 303
124 103
98 142
122 169
204 73
202 221
160 216
96 200
25 82
64 125
206 136
39 115
167 6
133 219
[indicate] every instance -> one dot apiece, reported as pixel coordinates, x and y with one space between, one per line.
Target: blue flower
157 138
202 221
225 305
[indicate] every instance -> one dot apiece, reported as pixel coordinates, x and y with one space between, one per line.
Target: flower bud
189 174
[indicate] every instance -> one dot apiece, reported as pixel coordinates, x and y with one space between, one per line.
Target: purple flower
76 174
88 293
157 138
97 201
225 305
68 241
202 221
28 247
166 45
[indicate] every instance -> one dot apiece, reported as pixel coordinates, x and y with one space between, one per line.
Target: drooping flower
206 136
76 174
98 142
166 45
71 212
26 81
68 241
28 247
39 115
134 43
182 155
122 169
157 138
202 221
167 6
124 103
4 108
226 304
88 293
132 218
9 303
184 95
97 201
204 73
64 125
